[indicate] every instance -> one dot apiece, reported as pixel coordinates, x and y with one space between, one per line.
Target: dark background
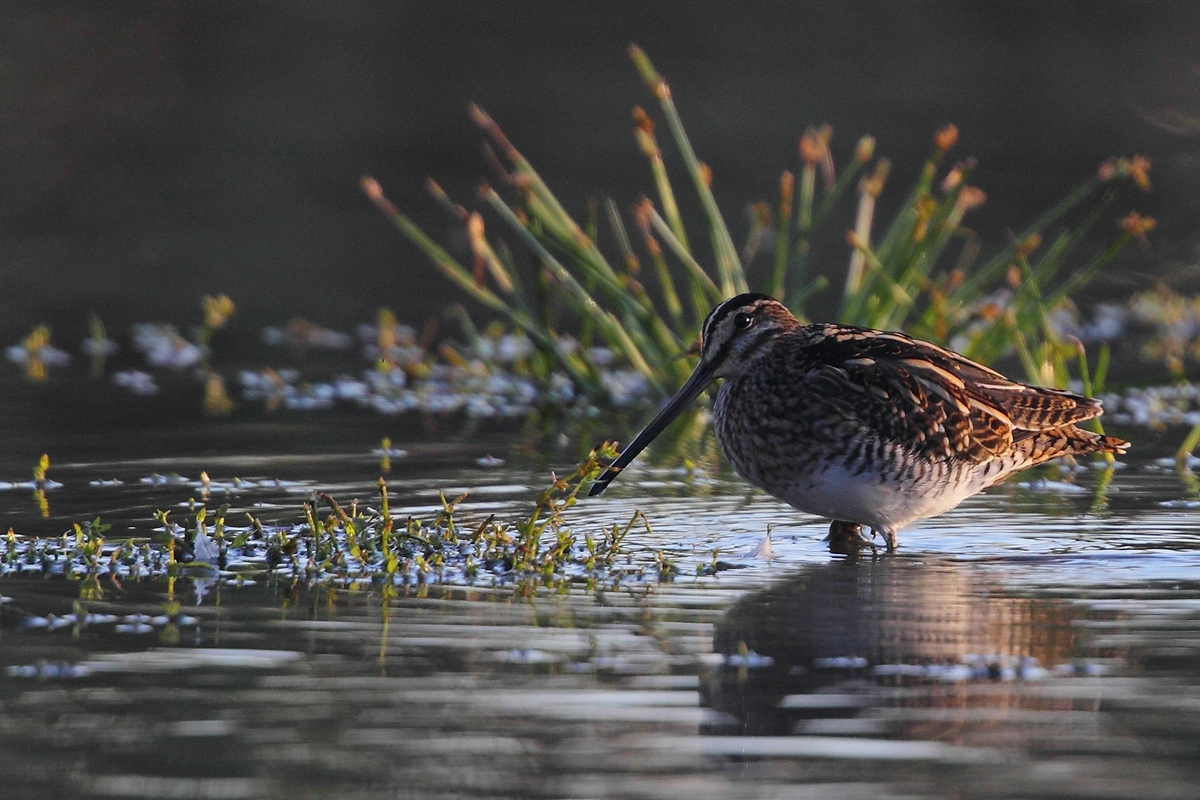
151 152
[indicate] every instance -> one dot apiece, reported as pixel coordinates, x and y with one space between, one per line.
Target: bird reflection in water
900 648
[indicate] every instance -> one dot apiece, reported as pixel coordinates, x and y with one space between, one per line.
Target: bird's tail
1069 440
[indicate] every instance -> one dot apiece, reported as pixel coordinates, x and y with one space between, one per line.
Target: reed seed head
946 138
865 149
1138 226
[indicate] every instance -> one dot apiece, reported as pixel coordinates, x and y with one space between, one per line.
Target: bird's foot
847 538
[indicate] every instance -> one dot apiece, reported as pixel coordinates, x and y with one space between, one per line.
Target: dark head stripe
725 309
759 339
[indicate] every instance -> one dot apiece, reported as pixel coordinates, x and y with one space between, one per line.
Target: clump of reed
920 271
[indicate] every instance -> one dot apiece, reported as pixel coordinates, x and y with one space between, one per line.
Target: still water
1036 642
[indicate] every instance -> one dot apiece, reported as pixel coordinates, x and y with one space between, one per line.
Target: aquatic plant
164 346
355 546
1174 321
97 347
921 273
36 354
41 483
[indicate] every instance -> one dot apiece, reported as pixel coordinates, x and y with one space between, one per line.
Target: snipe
868 428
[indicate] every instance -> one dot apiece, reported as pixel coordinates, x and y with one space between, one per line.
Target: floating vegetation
217 311
98 347
1175 324
164 346
300 334
349 546
1154 406
500 374
37 355
136 381
216 399
491 378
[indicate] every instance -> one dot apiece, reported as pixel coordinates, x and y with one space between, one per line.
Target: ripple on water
1033 642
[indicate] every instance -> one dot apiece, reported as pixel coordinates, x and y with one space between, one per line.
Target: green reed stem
449 267
976 283
729 267
695 271
613 215
1188 445
783 234
584 303
644 134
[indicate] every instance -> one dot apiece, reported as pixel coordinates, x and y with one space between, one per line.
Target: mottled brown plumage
867 427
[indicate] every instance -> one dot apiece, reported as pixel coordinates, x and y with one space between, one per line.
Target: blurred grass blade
648 142
1188 445
584 303
448 266
974 285
783 244
670 295
729 268
694 269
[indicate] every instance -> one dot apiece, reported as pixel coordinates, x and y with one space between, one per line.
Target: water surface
1038 641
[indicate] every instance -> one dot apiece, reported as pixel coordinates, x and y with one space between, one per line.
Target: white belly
885 506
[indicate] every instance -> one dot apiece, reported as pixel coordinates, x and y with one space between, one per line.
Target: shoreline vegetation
348 546
582 328
921 272
604 313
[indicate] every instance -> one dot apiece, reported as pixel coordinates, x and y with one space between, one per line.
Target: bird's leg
889 536
846 538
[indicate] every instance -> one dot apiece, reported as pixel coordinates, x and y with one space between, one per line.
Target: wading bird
868 428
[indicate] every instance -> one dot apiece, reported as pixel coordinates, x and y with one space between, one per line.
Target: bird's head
737 332
734 335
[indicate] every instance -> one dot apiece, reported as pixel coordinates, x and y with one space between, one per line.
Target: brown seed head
642 120
970 197
1139 168
641 212
814 144
371 188
787 187
952 180
439 194
435 189
1138 226
1013 276
946 137
865 148
1136 169
1027 245
873 185
643 132
489 126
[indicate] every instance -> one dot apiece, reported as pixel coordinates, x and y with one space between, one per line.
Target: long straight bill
690 390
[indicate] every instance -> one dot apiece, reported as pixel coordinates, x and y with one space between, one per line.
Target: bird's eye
742 320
